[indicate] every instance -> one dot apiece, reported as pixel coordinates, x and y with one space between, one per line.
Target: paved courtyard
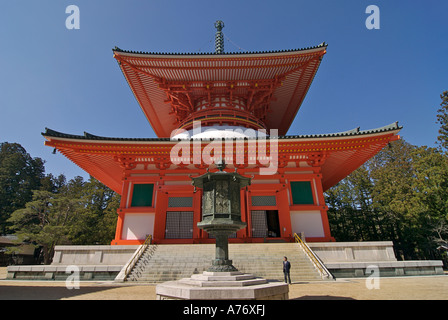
400 288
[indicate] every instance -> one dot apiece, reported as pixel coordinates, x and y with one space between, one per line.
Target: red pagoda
232 106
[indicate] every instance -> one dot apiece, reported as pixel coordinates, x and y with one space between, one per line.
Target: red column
324 208
243 233
197 216
121 214
284 215
160 214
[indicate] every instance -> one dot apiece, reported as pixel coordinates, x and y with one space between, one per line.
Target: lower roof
107 158
49 133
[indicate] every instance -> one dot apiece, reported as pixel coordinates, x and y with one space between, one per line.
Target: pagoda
236 107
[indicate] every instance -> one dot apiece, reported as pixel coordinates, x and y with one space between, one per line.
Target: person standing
286 269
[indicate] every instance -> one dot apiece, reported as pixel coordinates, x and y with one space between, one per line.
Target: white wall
137 225
309 222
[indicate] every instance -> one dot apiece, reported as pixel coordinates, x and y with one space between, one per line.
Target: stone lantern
221 217
221 210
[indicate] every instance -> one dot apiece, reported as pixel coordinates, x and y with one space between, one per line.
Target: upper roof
287 73
117 49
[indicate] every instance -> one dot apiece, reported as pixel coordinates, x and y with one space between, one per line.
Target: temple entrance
179 225
273 223
265 224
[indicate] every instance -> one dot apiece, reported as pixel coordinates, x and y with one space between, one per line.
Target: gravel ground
397 288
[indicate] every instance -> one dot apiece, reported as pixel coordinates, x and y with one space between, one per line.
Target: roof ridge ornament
219 37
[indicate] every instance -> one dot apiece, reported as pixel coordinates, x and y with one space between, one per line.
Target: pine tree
20 174
442 119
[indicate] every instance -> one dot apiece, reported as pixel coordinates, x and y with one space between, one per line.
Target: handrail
315 259
137 256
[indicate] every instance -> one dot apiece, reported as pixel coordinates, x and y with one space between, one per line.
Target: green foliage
20 174
45 220
401 195
96 222
79 212
46 211
442 120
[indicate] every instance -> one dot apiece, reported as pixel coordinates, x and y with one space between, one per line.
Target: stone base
221 265
386 268
356 259
61 272
222 286
99 263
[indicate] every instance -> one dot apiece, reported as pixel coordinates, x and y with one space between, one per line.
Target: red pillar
284 214
160 214
324 209
121 214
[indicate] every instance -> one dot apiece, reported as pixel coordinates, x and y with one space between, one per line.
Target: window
142 195
301 192
177 202
264 201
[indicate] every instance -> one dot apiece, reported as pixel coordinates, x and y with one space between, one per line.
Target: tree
45 221
19 175
430 189
53 184
392 172
350 207
96 223
442 119
400 195
76 213
369 205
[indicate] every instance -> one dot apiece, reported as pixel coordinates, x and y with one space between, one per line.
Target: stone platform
356 259
99 262
222 286
173 262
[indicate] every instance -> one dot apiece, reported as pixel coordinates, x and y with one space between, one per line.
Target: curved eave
145 71
100 156
215 55
51 134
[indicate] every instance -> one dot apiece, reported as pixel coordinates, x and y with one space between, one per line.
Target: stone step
190 271
173 262
161 279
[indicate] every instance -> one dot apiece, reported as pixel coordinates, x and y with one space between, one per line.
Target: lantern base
222 286
221 231
220 265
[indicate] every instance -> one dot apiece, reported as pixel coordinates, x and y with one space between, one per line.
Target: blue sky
67 80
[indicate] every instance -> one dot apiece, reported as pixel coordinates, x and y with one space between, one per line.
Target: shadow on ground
45 293
323 298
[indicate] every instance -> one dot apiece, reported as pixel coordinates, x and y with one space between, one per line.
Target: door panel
179 225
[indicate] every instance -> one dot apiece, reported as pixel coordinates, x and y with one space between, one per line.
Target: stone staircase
162 263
